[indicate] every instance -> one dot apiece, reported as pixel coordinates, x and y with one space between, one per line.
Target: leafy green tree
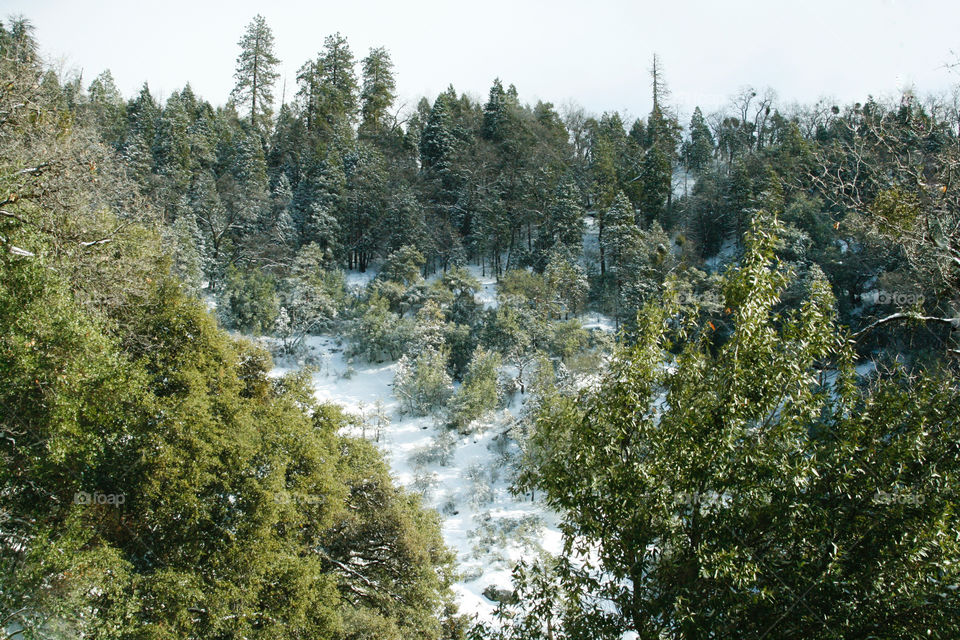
568 281
249 301
422 383
742 488
256 73
387 552
378 333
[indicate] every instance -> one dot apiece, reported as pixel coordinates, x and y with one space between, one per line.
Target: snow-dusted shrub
448 506
481 488
424 483
378 334
422 384
439 451
480 391
499 533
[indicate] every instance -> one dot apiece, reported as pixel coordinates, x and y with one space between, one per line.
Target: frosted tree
422 384
256 72
480 391
378 92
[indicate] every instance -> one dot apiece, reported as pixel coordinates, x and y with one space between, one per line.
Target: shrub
480 391
422 384
248 301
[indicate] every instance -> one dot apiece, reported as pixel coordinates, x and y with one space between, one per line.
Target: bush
378 333
422 384
568 339
480 392
248 301
439 451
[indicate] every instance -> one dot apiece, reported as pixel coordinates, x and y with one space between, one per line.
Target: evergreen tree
377 94
655 177
698 150
436 140
563 226
495 113
741 469
336 100
107 108
256 73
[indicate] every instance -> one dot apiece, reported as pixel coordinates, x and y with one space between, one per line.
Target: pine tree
256 73
495 113
308 77
337 103
622 244
378 92
698 150
656 179
107 108
563 226
437 141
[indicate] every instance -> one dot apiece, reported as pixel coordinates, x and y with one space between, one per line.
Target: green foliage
249 301
256 72
479 392
312 300
726 479
378 333
422 383
567 339
156 482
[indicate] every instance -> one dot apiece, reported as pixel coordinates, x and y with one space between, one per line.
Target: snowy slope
489 528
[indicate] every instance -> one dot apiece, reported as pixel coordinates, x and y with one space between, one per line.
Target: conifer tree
655 177
698 150
256 73
337 83
563 226
378 92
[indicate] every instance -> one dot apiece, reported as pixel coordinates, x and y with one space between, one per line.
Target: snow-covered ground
488 527
487 296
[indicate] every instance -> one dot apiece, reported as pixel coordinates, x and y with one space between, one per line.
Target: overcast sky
594 53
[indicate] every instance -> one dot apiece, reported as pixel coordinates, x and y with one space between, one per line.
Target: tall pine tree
256 73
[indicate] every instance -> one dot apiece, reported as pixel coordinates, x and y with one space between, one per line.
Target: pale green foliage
313 298
422 383
249 301
378 333
568 280
480 392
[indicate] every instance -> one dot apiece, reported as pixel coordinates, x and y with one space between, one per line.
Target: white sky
594 53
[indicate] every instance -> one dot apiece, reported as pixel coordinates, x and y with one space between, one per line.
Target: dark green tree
256 73
377 94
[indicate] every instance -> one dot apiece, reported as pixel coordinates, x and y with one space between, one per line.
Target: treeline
343 172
